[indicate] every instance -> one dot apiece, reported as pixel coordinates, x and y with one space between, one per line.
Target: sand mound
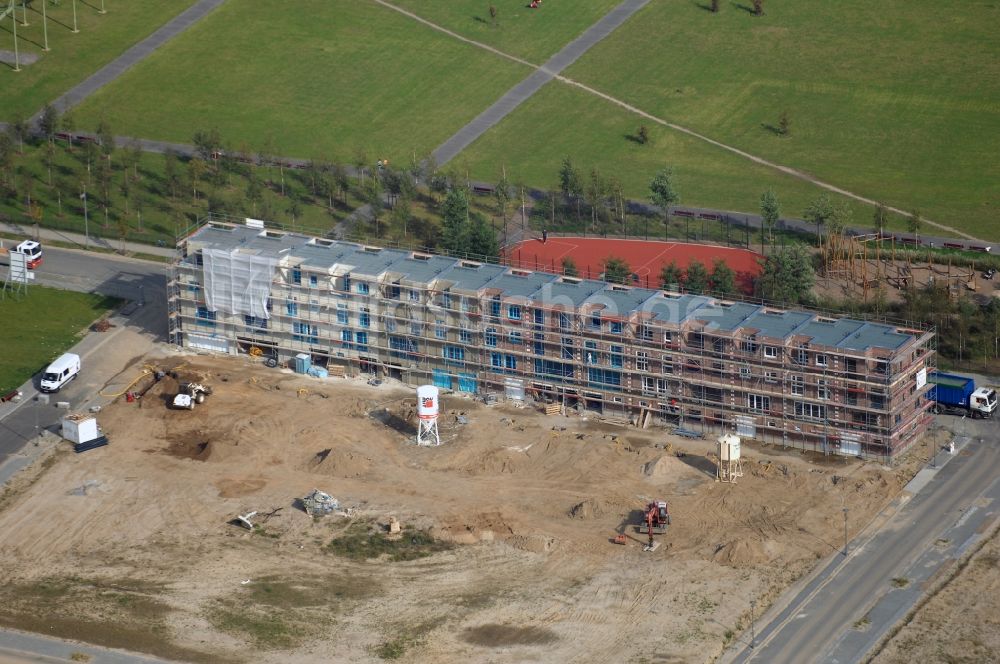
740 553
338 462
665 467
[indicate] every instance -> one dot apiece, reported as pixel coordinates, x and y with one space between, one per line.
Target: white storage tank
729 447
427 402
78 428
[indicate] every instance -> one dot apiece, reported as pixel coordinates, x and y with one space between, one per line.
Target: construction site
242 512
696 364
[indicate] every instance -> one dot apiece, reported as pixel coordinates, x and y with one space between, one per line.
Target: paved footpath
529 86
134 55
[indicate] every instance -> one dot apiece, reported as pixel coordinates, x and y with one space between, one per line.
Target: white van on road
64 369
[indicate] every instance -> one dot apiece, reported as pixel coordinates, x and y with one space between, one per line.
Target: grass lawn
897 100
41 326
531 34
313 78
597 134
73 57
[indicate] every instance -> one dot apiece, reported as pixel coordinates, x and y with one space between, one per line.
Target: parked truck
958 395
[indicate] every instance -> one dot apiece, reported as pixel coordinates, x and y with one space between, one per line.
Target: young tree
596 194
643 134
6 159
616 270
914 223
171 172
841 218
570 183
134 152
663 194
207 143
881 217
715 6
254 191
788 276
493 15
196 171
819 212
294 209
49 122
696 278
342 181
784 124
501 193
68 123
19 129
375 198
770 212
438 185
50 158
758 7
569 267
723 278
455 222
402 211
671 277
106 139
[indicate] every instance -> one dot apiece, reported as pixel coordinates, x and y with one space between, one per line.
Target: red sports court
646 257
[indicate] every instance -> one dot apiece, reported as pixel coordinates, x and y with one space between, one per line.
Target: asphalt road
928 533
141 283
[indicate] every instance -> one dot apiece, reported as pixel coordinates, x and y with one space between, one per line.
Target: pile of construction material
83 431
319 503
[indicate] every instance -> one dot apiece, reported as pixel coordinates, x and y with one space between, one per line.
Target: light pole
845 531
13 21
24 14
102 8
753 629
45 27
86 220
75 29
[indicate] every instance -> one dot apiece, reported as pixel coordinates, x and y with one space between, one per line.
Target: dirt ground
129 545
959 624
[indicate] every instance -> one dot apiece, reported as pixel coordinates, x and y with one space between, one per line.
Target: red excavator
655 520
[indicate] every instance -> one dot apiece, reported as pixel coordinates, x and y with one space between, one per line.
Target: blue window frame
510 361
305 332
414 295
205 317
313 280
567 348
514 312
193 288
314 306
440 331
465 336
390 325
292 308
604 377
595 321
617 356
495 306
551 369
347 339
502 362
296 275
539 317
446 300
365 319
491 336
253 323
616 327
456 353
362 288
394 292
564 321
362 340
539 346
347 283
402 347
416 329
496 360
343 316
514 337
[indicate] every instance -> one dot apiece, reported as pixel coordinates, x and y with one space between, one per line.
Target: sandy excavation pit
523 508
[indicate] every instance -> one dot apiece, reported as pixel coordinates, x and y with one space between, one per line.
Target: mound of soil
740 553
500 636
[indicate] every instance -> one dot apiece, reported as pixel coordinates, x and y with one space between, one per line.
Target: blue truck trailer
958 395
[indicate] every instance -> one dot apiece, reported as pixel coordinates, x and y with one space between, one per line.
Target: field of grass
531 34
597 134
316 79
73 57
897 100
41 326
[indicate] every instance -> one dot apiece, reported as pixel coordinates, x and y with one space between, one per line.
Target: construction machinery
655 520
191 394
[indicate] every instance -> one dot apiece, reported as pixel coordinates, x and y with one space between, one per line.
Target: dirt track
530 503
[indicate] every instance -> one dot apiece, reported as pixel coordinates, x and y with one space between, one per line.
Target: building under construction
833 385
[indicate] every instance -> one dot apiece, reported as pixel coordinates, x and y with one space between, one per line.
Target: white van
32 253
60 372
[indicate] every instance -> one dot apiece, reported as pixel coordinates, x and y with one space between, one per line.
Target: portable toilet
302 363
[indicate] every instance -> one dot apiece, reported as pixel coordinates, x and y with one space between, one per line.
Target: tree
455 222
788 276
50 158
881 217
49 122
402 211
196 171
643 134
207 143
784 124
913 224
616 270
171 172
715 6
68 124
18 129
570 183
294 209
342 181
438 184
758 7
671 277
663 194
770 212
254 192
841 218
360 163
375 199
6 159
723 278
106 139
482 240
696 278
501 193
596 193
569 267
493 15
819 212
134 153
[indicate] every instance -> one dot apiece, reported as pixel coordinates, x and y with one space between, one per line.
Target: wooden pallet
553 409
